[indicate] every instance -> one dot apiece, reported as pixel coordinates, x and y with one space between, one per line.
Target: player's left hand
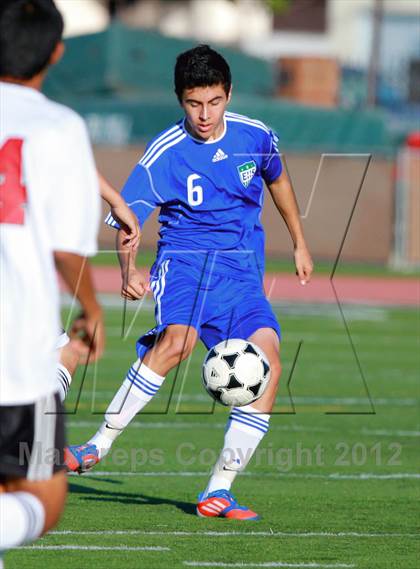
304 265
88 336
129 224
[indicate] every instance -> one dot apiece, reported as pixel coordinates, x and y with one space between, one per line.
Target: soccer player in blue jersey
206 175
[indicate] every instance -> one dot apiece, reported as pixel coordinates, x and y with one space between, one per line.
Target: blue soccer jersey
210 194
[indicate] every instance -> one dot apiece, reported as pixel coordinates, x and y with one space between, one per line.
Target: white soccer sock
244 431
22 518
137 389
64 381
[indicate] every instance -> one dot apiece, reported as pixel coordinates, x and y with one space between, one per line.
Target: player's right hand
135 285
129 225
121 213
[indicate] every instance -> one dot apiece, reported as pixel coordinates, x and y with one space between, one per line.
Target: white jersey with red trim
49 201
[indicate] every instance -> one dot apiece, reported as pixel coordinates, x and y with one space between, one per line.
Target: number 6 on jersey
195 193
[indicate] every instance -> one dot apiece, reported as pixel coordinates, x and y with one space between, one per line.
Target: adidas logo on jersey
220 155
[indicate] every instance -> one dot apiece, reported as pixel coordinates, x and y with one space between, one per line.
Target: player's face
204 108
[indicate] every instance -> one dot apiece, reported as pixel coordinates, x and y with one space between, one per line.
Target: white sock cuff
64 381
253 411
24 518
249 420
138 388
36 511
144 380
147 372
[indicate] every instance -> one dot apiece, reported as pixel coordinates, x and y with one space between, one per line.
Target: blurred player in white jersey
49 212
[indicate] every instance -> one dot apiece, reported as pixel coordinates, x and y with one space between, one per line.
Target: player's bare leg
246 427
142 382
175 346
268 341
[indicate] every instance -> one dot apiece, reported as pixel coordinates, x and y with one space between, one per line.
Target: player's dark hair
29 33
201 67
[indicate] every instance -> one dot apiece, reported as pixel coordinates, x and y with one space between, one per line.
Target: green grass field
335 482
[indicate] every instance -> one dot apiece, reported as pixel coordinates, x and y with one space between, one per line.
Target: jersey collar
206 141
21 90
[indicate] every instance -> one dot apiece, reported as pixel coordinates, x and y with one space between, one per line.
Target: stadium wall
327 212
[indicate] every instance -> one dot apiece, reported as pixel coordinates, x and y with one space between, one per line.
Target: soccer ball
235 372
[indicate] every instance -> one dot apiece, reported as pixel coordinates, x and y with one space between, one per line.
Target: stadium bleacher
126 95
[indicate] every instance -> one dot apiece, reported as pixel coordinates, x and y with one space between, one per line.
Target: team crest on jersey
247 172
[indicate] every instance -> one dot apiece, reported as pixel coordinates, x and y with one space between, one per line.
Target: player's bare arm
89 326
134 283
121 212
285 200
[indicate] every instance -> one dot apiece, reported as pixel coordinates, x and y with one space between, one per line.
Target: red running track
286 287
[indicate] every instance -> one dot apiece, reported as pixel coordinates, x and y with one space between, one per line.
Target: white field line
326 337
298 400
289 428
273 534
361 476
147 425
389 433
185 474
190 425
350 401
311 565
383 401
130 474
97 548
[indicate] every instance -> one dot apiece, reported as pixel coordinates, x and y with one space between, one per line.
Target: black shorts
32 439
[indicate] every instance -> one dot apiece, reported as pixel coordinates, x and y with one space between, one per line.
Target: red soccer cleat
80 458
222 504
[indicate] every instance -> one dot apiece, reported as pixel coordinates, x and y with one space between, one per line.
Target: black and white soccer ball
236 372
